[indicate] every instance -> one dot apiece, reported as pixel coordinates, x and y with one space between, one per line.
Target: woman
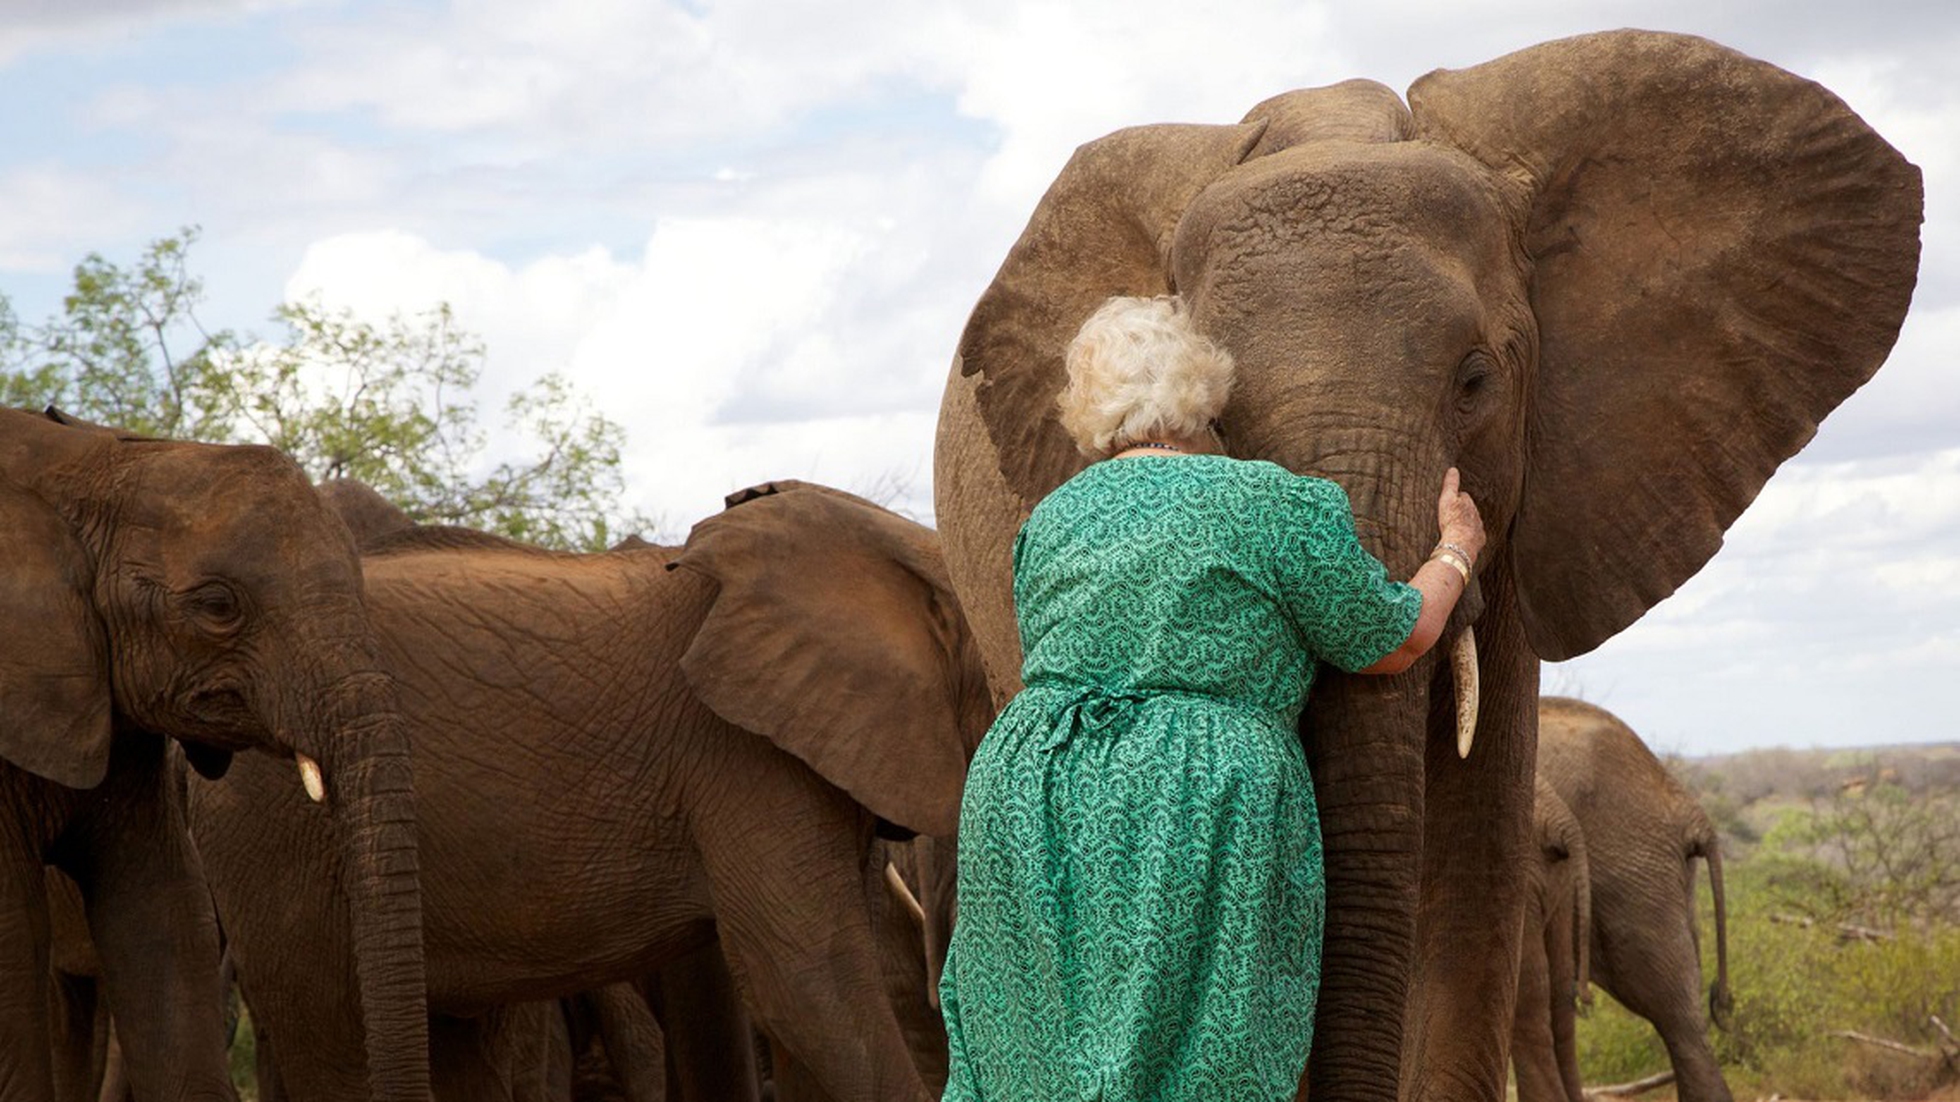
1141 893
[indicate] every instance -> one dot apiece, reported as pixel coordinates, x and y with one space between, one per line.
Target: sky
750 232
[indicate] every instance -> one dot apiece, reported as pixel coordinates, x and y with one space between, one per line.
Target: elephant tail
1581 865
1721 1002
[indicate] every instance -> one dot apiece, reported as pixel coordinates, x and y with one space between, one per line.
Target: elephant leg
154 928
1659 979
74 1015
784 858
536 1048
634 1044
1533 1047
555 1077
911 952
78 1015
265 1066
794 1083
26 1042
710 1046
470 1058
1562 981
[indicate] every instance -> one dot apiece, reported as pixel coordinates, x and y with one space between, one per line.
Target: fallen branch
1952 1046
1628 1090
1849 932
1846 931
1881 1042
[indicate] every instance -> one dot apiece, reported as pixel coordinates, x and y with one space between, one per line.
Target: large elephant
622 756
1644 832
1615 279
158 588
1554 960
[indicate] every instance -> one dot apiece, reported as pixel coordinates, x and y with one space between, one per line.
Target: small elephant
1554 961
1615 280
173 590
1643 833
621 757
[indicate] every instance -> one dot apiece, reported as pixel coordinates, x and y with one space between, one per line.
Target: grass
1795 987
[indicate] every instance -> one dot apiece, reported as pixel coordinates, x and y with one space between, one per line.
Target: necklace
1158 446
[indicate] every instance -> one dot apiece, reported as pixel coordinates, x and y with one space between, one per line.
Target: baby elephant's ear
834 633
54 683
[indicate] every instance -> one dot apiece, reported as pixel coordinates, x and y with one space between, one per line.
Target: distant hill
1752 775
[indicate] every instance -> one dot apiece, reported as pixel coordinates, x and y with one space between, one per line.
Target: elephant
709 1040
367 515
1643 833
1554 960
625 756
197 593
1615 280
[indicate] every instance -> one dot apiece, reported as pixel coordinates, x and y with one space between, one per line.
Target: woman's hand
1440 581
1458 519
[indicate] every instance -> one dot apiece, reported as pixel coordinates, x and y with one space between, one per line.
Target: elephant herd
459 811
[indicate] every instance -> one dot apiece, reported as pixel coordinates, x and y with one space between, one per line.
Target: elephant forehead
1336 192
231 509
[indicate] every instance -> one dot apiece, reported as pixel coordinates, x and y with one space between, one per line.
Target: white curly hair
1137 369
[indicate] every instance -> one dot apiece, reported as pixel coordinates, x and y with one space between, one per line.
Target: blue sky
751 231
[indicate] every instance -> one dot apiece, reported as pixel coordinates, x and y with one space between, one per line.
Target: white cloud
1054 76
27 25
19 14
1913 403
751 232
66 204
714 315
1833 602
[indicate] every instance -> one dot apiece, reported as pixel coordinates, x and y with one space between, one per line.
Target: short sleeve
1338 595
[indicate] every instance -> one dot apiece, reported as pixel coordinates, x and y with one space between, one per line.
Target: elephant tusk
312 779
1463 664
897 884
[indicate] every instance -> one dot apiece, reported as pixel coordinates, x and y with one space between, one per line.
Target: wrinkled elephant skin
622 756
204 594
1615 279
1554 963
1643 832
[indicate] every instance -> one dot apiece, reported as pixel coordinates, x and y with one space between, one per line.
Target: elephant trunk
370 791
1366 739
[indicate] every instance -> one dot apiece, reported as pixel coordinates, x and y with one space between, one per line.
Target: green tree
393 404
1873 854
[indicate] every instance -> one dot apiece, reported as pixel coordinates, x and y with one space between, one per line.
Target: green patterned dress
1141 893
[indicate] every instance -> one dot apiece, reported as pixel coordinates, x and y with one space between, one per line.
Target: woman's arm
1440 582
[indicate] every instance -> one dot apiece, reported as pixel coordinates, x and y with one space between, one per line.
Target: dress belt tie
1091 710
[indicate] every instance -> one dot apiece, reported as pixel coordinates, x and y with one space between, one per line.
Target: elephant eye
215 604
1472 375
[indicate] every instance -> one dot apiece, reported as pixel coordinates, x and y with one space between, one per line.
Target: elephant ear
54 663
1722 253
834 633
1104 228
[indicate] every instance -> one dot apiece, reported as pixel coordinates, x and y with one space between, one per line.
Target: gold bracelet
1466 556
1450 560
